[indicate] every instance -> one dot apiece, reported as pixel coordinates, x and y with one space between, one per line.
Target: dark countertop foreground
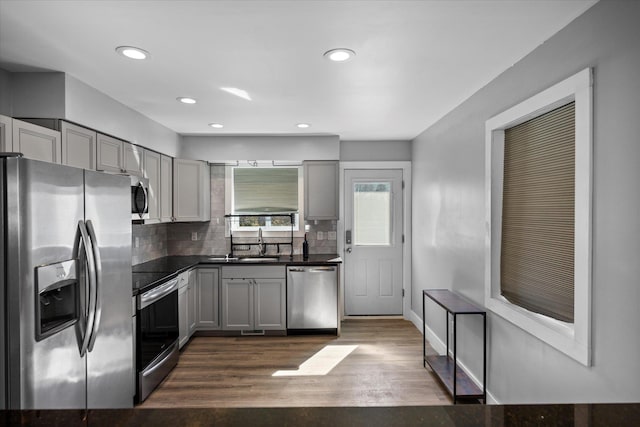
149 274
592 415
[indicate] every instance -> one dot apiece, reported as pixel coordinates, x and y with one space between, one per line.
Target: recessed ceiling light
132 52
186 100
303 125
339 55
216 125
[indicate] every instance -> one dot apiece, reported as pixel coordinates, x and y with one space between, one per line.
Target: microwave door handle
146 199
98 284
136 204
90 289
141 210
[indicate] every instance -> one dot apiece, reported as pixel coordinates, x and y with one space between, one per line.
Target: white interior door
373 242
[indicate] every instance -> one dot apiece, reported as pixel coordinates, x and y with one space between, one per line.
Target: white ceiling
416 60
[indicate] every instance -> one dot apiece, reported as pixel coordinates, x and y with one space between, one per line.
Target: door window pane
372 213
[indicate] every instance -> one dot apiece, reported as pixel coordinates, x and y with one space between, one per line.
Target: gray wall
92 108
38 95
5 92
249 147
375 151
448 197
57 95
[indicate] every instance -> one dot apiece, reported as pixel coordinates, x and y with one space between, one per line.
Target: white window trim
574 339
251 231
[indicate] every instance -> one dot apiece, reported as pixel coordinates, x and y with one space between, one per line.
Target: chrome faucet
261 246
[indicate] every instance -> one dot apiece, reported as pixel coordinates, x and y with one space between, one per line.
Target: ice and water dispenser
57 297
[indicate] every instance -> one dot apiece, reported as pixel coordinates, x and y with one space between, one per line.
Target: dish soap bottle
305 248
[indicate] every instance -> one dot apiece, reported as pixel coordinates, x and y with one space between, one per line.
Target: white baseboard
440 347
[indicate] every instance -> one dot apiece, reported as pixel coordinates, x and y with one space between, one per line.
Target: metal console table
446 368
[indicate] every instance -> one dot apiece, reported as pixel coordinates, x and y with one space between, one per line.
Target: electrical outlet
320 235
332 235
194 235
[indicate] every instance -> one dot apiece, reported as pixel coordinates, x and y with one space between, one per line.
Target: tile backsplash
208 238
148 242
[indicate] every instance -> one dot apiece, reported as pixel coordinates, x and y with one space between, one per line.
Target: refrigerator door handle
98 283
91 288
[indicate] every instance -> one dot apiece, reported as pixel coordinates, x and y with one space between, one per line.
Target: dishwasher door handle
296 270
321 269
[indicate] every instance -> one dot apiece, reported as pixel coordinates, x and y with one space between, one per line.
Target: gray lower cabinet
198 302
6 134
78 146
36 142
253 298
191 302
183 309
207 299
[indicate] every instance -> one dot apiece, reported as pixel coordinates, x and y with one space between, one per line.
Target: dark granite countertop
594 415
150 274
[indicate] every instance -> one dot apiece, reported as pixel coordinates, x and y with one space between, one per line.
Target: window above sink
254 189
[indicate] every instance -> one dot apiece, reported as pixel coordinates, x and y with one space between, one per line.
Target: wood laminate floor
385 369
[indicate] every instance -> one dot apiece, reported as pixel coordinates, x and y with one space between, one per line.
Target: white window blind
538 214
265 190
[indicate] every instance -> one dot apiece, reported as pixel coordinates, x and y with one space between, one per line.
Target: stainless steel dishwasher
312 299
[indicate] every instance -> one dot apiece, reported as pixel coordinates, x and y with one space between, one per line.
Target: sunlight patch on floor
320 363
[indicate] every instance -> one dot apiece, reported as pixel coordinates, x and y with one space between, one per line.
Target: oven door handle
161 359
157 293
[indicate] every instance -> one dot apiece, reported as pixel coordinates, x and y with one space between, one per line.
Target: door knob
348 249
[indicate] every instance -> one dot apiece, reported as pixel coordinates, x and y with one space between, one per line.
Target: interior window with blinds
537 252
265 191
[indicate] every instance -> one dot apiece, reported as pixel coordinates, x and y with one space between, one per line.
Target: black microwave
139 198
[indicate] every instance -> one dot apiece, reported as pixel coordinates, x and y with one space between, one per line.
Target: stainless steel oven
156 336
139 198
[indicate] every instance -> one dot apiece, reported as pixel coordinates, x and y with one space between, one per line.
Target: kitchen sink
221 259
244 259
259 259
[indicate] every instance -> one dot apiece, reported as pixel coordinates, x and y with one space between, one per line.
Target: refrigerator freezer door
44 203
110 366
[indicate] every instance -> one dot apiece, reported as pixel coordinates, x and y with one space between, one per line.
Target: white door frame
406 226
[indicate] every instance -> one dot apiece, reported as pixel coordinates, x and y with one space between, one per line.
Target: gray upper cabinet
116 155
152 173
133 160
6 134
191 190
36 142
321 180
166 188
78 146
110 154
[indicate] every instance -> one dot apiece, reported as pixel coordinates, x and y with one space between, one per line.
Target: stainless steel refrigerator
65 259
